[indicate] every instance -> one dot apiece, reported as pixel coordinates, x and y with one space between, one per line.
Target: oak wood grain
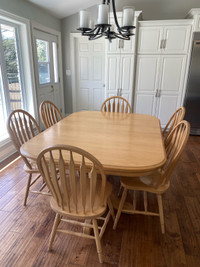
123 143
26 244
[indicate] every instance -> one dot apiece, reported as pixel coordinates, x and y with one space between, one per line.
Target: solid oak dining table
126 144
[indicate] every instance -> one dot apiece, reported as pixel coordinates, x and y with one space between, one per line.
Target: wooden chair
116 104
22 127
79 193
173 121
159 181
49 113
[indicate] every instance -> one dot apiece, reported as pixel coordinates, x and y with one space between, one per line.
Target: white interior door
90 73
46 65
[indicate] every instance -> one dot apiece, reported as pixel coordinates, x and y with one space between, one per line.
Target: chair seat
98 209
145 183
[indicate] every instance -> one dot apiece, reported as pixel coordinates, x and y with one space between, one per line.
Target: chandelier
103 26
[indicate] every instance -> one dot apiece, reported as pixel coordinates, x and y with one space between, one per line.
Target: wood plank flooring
24 231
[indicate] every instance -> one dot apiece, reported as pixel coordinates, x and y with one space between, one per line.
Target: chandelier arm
97 33
115 17
97 36
90 31
123 37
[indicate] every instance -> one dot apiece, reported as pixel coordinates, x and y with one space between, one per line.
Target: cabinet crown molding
166 22
193 12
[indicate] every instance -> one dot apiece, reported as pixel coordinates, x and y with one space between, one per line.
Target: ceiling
63 8
151 9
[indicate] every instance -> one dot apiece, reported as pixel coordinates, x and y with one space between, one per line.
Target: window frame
26 57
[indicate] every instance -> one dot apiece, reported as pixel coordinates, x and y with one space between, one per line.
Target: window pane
42 50
44 74
43 61
12 66
55 62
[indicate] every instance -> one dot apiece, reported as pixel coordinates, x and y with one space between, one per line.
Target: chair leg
121 204
120 189
53 232
111 209
98 241
160 206
27 188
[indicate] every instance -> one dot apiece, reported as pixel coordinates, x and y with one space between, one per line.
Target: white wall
27 10
160 9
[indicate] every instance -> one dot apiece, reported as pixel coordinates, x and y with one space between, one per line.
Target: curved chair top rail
174 144
116 104
49 113
173 121
78 191
22 127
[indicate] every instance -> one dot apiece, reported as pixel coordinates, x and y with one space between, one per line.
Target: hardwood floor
24 231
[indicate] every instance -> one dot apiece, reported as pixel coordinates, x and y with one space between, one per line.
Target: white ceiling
64 8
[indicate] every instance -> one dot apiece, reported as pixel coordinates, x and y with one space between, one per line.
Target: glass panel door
11 78
46 64
12 67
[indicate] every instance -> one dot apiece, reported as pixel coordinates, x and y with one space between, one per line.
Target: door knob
52 89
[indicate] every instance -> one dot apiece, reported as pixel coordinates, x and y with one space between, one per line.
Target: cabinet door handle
161 44
164 43
159 93
156 95
120 43
52 89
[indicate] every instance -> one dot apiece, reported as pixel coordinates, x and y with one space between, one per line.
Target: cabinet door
147 84
127 76
149 40
167 105
120 75
176 39
172 74
171 86
118 45
121 46
115 44
112 73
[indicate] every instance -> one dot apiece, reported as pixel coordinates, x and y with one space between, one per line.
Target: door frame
39 27
73 37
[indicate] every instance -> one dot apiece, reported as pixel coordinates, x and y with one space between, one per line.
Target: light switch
68 72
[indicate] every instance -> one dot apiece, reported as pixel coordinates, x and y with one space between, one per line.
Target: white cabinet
162 64
119 75
159 84
194 14
122 46
120 64
164 39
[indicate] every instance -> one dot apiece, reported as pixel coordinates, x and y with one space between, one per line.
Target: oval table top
125 144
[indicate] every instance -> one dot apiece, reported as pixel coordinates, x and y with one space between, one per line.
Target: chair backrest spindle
49 113
173 121
22 127
110 105
81 178
174 144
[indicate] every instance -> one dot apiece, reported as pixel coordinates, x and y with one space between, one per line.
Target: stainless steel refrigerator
192 97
